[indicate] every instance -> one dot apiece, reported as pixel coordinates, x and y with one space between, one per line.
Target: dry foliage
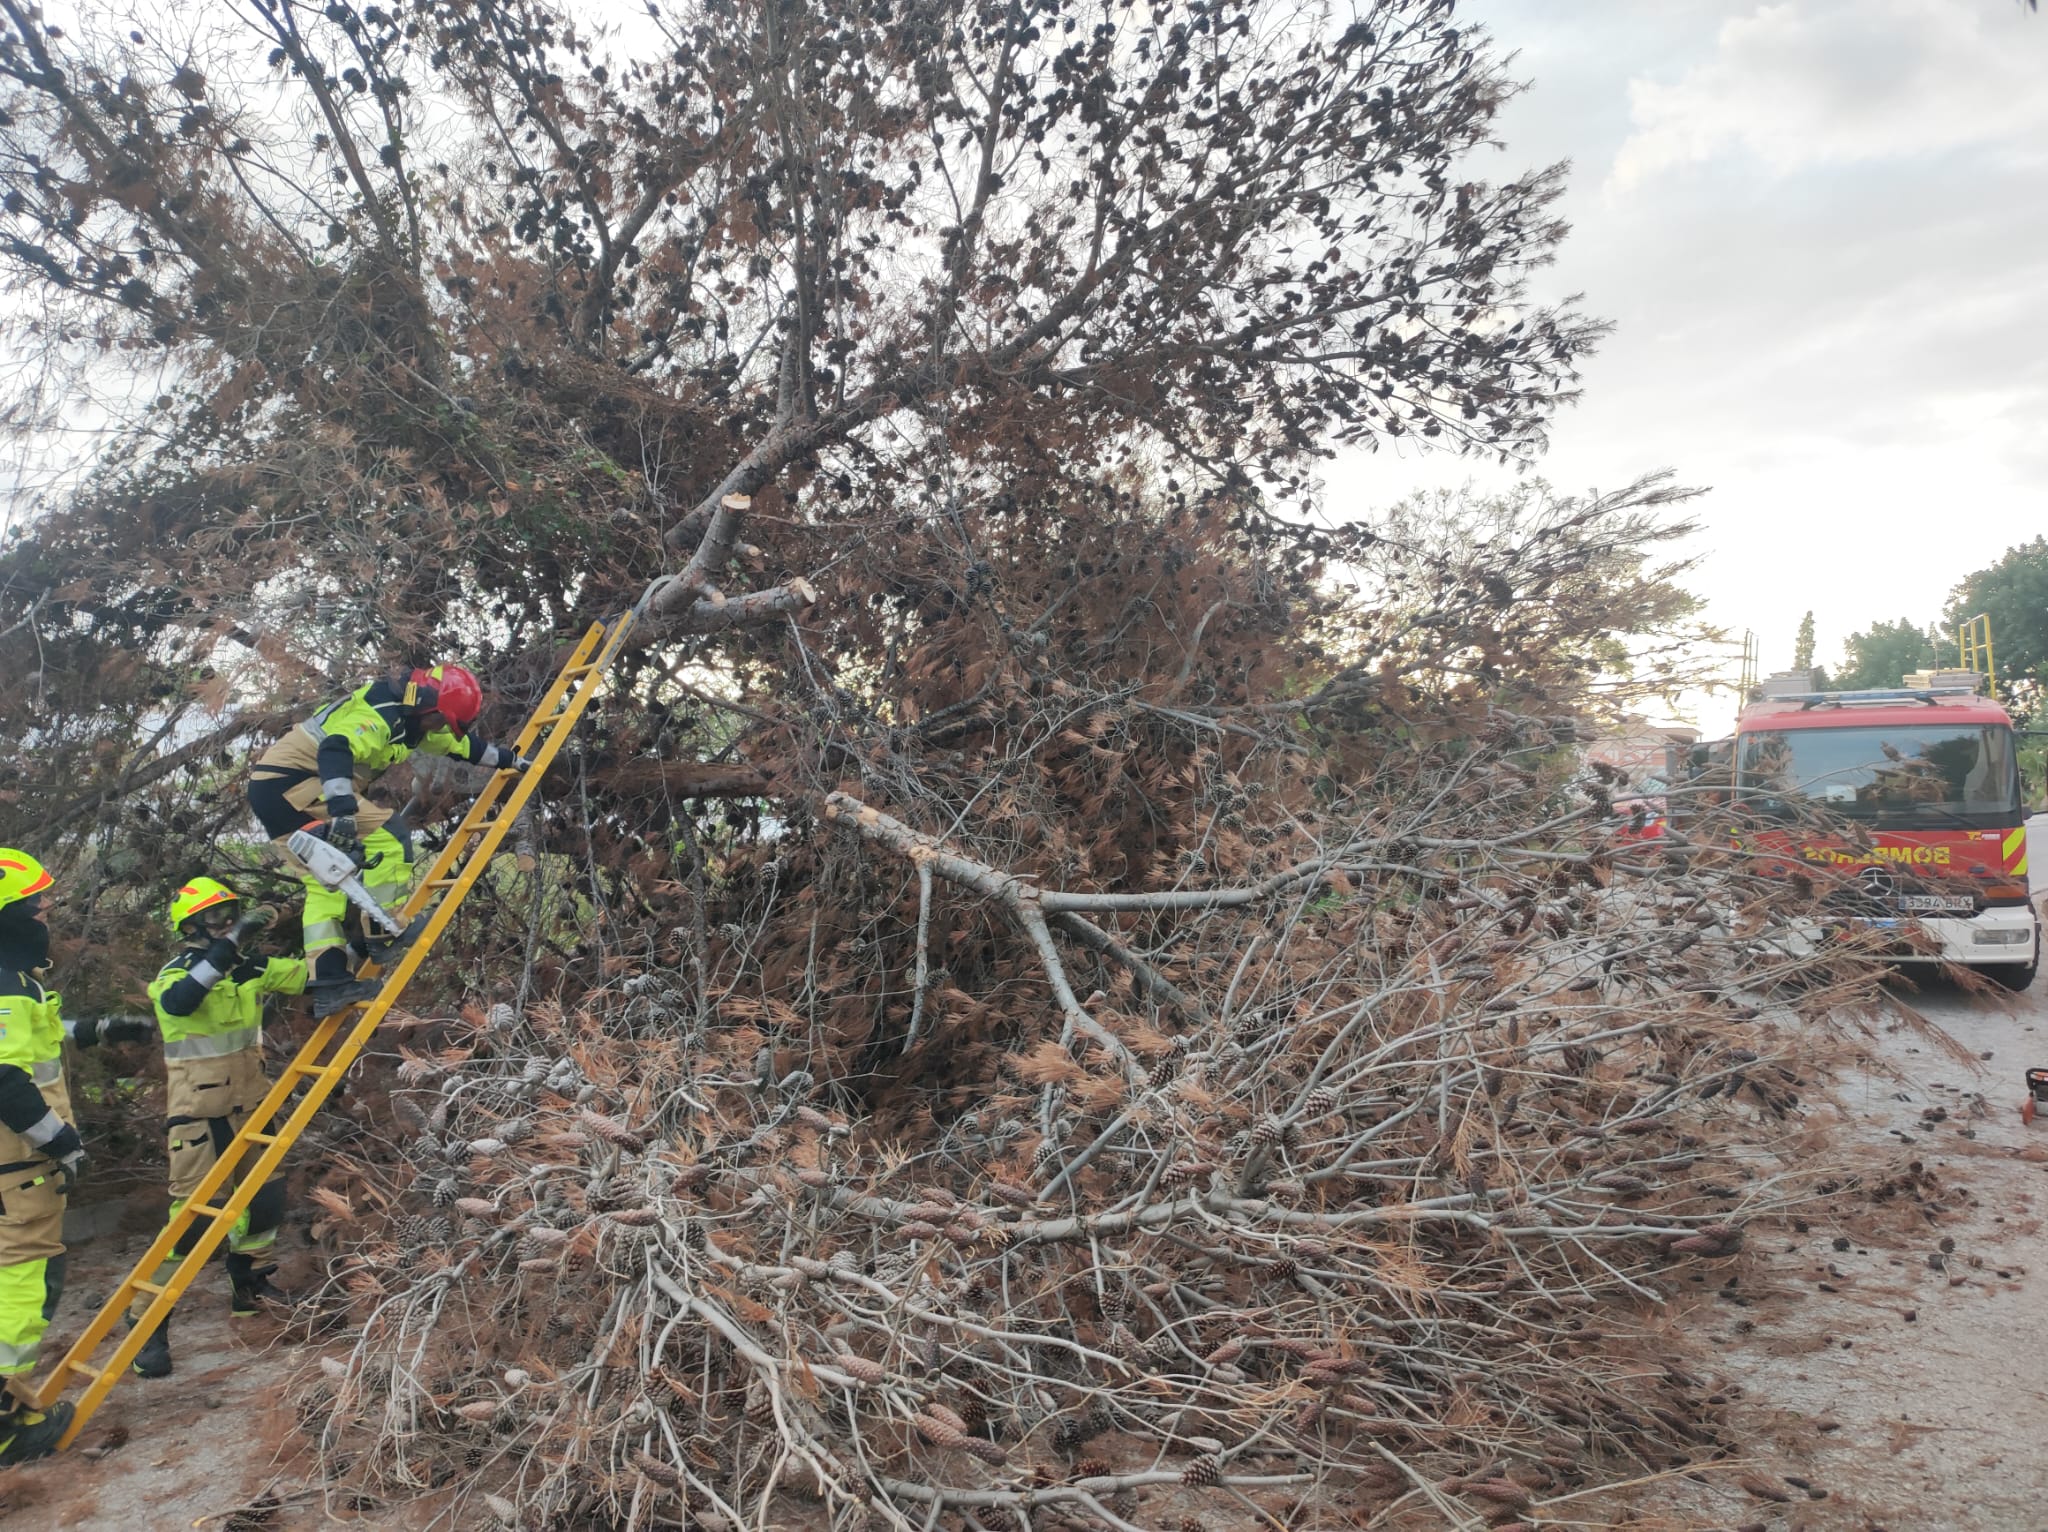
1054 990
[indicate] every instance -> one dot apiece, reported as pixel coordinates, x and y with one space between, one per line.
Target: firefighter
40 1152
209 1007
312 779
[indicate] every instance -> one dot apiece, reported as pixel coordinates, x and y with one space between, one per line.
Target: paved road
1941 1420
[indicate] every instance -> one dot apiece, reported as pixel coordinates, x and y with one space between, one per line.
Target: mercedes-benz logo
1878 882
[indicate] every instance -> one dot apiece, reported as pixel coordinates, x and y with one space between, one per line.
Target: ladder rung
251 1137
90 1374
207 1210
146 1287
296 1067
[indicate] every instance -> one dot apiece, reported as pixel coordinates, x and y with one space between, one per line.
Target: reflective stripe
213 1045
43 1129
316 727
204 974
46 1071
19 1359
325 933
387 894
338 787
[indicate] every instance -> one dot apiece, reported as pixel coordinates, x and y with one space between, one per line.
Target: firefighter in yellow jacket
313 779
40 1153
209 1007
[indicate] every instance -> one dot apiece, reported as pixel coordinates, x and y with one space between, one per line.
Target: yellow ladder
1973 639
216 1205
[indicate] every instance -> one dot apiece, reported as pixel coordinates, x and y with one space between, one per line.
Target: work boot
253 1287
154 1359
386 950
329 996
27 1434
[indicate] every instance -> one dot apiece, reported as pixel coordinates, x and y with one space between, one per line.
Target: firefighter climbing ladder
276 1124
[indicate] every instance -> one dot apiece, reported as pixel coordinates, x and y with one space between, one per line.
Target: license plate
1948 902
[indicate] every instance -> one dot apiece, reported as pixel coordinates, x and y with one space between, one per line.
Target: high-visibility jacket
208 1013
34 1106
372 729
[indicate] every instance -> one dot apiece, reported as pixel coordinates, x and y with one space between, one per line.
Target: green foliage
1802 646
2014 593
1883 653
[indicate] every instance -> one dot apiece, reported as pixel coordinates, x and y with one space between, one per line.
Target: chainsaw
332 867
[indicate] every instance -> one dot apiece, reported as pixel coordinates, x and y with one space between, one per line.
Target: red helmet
449 690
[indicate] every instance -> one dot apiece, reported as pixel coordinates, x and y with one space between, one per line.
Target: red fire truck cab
1903 808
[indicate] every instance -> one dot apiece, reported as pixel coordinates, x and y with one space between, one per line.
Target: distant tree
1802 646
2014 593
1882 654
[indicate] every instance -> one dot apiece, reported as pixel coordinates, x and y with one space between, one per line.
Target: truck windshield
1896 773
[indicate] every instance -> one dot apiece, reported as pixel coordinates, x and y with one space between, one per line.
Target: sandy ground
187 1451
1892 1373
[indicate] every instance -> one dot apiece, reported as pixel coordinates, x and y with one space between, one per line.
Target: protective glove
95 1030
68 1150
256 920
341 833
505 758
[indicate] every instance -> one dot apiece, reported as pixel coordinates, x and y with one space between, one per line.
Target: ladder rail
215 1206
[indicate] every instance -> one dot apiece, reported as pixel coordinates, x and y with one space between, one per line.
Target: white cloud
1807 83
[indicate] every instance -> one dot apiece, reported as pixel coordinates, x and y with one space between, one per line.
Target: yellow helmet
199 894
20 876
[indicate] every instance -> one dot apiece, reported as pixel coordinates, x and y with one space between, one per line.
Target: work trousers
284 790
208 1100
31 1242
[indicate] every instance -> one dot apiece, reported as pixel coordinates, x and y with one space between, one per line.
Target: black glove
68 1150
257 920
220 952
505 758
95 1030
341 833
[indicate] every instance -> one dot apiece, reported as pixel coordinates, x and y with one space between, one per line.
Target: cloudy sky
1821 227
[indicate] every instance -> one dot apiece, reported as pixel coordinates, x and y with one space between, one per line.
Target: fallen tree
1064 981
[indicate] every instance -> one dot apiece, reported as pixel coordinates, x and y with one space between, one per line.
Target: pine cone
1319 1102
1123 1342
859 1367
446 1190
1268 1133
1164 1068
1201 1473
612 1131
1091 1468
939 1433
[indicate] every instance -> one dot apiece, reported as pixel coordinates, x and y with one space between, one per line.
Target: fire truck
1903 809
